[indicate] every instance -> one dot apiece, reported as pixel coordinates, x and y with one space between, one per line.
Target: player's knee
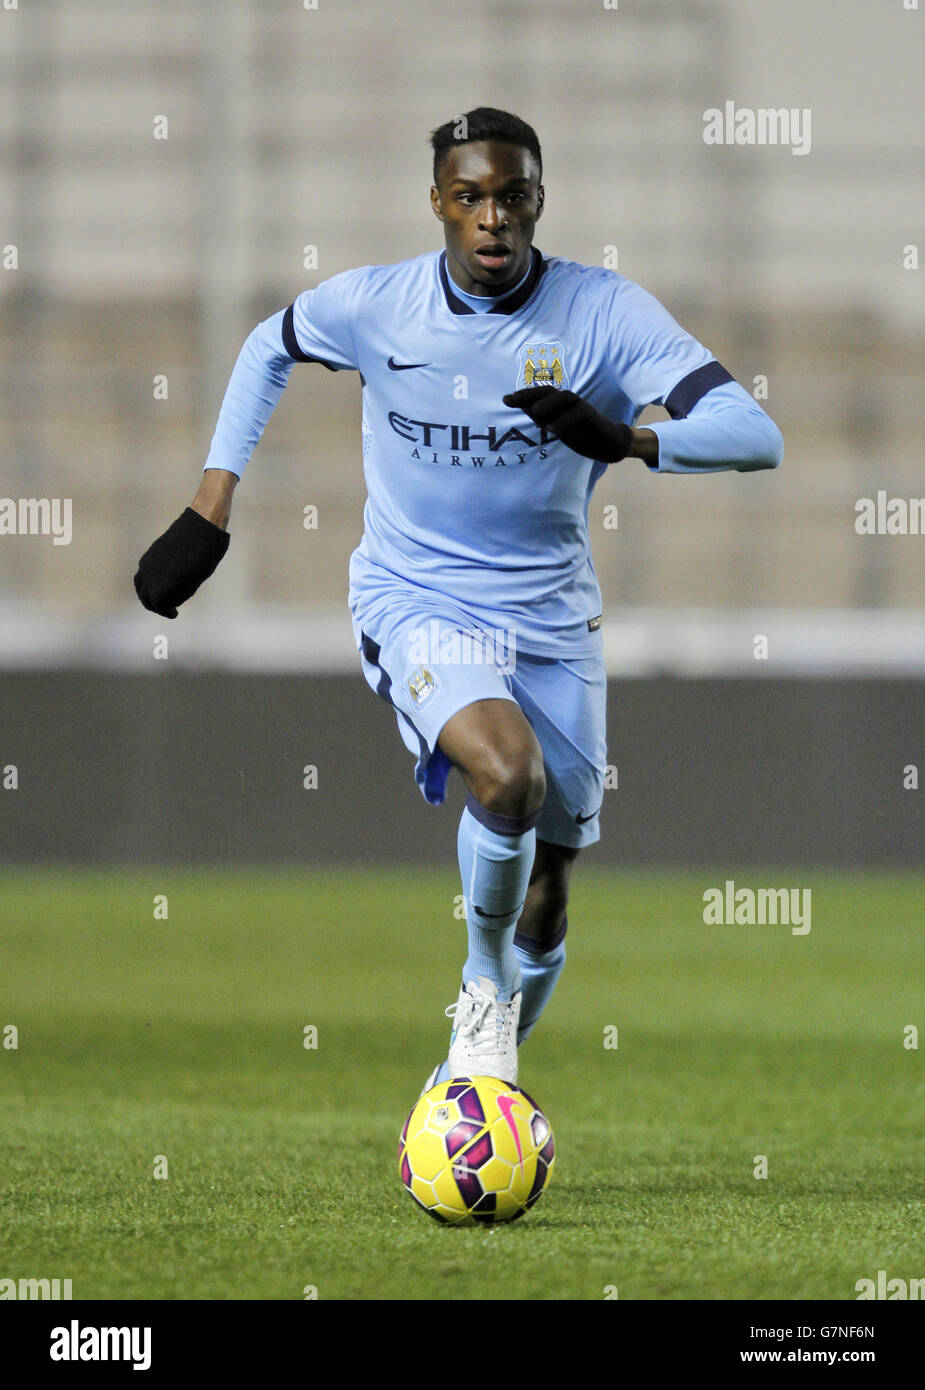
512 782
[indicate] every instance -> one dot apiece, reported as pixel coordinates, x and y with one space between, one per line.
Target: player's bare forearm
213 499
644 446
172 569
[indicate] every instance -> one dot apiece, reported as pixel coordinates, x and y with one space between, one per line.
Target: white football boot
484 1037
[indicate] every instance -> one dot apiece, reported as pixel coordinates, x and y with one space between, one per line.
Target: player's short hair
484 123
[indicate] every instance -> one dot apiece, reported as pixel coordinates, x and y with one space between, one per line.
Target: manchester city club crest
542 364
421 685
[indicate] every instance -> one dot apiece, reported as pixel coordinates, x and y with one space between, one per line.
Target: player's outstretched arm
172 569
724 429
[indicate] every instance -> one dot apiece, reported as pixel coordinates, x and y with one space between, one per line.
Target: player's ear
540 200
435 203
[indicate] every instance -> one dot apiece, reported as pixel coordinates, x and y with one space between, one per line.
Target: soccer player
499 384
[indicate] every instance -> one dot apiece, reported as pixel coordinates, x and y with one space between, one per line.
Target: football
475 1150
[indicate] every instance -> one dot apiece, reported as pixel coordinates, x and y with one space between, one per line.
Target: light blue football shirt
468 500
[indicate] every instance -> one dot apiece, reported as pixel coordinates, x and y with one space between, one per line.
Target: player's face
488 200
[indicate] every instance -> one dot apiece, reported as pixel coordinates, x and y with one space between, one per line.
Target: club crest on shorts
542 364
421 685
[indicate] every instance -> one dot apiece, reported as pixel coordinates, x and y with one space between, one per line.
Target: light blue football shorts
429 665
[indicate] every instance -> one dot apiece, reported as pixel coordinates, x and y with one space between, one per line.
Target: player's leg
544 916
457 712
539 941
501 763
565 703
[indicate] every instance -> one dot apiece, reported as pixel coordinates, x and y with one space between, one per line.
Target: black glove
575 421
172 569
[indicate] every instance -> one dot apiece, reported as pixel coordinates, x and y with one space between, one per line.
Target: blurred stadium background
287 128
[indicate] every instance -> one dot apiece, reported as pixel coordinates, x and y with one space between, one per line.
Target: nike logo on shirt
404 366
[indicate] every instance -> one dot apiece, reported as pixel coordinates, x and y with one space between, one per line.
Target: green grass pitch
140 1037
